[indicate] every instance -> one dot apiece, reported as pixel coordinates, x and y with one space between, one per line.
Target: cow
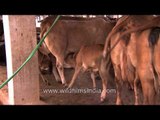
47 63
68 35
145 59
124 61
89 59
144 63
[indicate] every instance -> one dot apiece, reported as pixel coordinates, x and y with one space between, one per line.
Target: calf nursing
89 59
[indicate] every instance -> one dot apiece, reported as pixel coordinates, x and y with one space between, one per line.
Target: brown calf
89 58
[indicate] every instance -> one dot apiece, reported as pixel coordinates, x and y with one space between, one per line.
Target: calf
89 58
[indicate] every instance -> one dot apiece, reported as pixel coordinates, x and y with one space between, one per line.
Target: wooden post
20 40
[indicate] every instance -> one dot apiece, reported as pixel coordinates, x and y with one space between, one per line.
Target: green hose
31 55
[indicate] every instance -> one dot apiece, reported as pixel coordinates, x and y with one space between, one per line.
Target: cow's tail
114 30
153 39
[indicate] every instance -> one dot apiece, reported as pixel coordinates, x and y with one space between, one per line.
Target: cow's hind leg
60 69
148 91
93 79
104 86
104 73
77 70
118 80
55 73
54 69
136 92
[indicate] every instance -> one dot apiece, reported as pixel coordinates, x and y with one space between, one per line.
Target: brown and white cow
69 35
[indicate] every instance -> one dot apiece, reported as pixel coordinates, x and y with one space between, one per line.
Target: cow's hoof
103 95
136 102
119 102
130 87
65 85
46 82
68 88
102 99
59 82
49 84
98 77
94 88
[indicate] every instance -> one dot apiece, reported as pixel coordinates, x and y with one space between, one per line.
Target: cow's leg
151 93
104 87
44 79
104 73
136 92
157 65
77 70
93 80
147 81
119 89
60 69
53 67
55 73
148 90
130 73
118 80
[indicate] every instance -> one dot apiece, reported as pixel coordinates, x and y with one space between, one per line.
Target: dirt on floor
81 94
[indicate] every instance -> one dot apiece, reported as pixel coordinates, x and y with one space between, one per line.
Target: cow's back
86 33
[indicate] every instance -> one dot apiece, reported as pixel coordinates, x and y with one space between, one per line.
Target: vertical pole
20 40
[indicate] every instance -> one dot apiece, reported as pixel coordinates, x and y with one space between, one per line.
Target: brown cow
118 61
47 62
124 60
145 58
68 36
147 66
138 58
89 59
